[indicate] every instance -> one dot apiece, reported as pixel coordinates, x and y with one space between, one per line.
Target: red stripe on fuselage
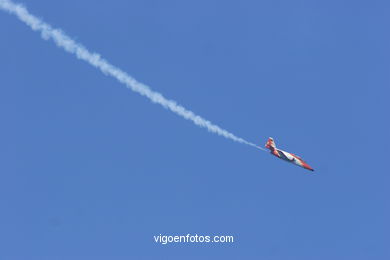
304 164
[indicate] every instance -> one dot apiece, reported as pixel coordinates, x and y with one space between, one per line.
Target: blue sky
91 170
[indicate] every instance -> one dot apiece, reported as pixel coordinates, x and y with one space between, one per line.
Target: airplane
289 157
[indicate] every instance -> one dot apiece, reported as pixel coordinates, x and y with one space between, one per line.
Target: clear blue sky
91 170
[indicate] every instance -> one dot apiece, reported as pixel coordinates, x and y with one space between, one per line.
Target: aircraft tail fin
270 143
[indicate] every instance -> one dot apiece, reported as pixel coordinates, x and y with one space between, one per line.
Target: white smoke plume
64 41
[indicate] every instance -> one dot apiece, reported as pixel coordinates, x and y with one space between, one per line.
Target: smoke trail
64 41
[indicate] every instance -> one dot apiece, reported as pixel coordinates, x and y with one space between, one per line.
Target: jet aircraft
289 157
